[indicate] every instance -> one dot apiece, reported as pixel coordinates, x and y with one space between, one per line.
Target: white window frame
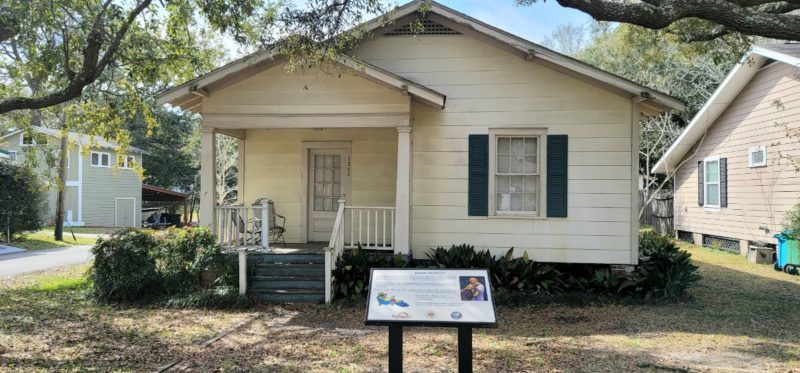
126 161
751 151
541 133
12 155
718 184
67 160
100 159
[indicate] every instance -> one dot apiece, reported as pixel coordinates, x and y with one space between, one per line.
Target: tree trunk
62 186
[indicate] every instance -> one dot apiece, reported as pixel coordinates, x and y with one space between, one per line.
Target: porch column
240 169
208 172
402 198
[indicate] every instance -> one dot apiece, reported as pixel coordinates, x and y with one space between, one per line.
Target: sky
533 22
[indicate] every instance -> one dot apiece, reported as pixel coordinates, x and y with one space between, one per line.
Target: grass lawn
44 240
83 230
743 317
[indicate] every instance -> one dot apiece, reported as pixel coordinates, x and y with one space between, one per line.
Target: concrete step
288 295
288 258
287 284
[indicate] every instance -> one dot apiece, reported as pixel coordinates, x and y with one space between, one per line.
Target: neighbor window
36 139
101 159
12 155
711 184
758 156
129 161
516 179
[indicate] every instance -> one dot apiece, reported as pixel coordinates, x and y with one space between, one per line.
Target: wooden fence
658 213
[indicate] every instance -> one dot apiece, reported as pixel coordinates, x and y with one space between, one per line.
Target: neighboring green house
98 194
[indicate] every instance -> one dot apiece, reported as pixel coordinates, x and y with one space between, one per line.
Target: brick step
288 296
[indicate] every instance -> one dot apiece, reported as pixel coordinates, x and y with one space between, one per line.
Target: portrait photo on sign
473 288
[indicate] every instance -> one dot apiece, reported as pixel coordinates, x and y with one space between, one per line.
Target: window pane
530 165
712 171
318 189
318 204
328 175
517 146
502 184
531 145
95 159
328 161
328 204
516 184
318 175
529 201
503 201
516 202
712 194
515 164
502 164
337 176
328 189
530 183
337 190
337 161
318 161
502 145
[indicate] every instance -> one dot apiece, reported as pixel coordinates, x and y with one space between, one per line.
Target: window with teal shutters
478 189
557 178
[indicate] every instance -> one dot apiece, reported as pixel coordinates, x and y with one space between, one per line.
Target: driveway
31 261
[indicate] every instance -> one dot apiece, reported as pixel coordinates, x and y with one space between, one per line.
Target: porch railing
240 225
371 227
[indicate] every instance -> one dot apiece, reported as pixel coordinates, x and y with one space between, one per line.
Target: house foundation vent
722 243
425 27
685 236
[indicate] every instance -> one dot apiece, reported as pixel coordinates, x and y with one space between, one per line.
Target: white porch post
402 198
208 172
240 170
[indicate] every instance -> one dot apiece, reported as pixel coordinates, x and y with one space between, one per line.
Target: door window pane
327 182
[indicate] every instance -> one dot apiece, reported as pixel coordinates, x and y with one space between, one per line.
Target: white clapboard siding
488 88
756 196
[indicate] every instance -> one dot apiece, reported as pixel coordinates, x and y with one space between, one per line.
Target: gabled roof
728 90
81 139
183 94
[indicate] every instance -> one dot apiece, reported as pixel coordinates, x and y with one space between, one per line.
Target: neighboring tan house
97 193
734 179
461 133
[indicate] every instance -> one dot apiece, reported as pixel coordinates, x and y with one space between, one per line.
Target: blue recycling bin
788 253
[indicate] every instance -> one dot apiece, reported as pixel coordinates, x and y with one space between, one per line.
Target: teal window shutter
478 189
557 151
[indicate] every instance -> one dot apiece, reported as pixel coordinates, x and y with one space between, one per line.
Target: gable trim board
757 58
189 95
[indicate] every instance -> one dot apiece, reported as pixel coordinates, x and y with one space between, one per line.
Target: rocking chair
276 230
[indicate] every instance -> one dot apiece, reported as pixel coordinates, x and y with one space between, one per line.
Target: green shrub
664 271
22 202
134 265
351 275
793 221
124 269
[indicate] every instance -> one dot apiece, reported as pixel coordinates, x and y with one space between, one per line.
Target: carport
152 193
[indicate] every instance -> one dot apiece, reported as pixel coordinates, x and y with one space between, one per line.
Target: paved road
31 261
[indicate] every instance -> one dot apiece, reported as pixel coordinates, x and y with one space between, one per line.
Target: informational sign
445 297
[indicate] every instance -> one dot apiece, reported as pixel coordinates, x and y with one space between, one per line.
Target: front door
328 181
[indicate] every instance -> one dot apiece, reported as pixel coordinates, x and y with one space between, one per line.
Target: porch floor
298 248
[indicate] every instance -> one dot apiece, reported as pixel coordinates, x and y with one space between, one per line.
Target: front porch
330 189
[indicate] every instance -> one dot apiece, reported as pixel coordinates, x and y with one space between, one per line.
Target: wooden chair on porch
244 229
276 230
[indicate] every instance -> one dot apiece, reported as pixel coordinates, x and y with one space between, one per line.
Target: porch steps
287 277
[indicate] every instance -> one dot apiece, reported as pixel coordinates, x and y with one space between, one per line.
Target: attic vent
428 27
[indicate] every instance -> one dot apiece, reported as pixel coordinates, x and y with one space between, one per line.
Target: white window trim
100 159
542 145
13 155
68 157
750 152
706 205
125 163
